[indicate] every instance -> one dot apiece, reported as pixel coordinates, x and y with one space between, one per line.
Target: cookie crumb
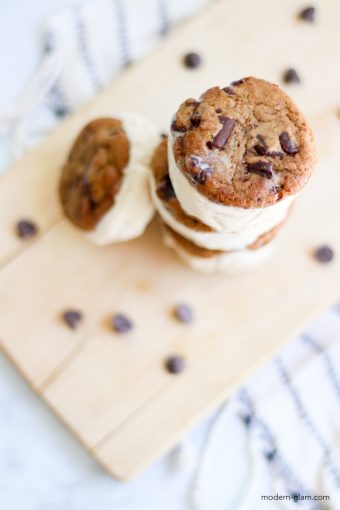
324 254
26 229
72 318
183 313
192 60
291 76
308 14
121 323
175 364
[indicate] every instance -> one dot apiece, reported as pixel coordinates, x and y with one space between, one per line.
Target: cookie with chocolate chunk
166 193
246 145
93 172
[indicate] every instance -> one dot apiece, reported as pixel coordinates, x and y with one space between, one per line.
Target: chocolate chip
121 323
165 189
291 76
72 318
26 229
308 14
261 148
195 120
287 145
324 254
164 136
237 82
262 168
202 176
192 60
205 170
218 110
183 313
175 364
223 135
228 90
175 127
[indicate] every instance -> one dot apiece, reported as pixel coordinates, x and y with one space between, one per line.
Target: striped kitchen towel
85 47
277 441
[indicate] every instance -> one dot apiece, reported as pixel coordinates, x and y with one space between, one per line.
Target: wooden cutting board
111 390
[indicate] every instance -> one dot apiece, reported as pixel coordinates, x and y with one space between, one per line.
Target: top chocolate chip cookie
245 145
93 173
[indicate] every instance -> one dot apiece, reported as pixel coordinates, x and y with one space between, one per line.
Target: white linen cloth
281 433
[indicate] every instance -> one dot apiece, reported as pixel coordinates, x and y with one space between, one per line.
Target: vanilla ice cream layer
132 209
229 263
243 226
209 240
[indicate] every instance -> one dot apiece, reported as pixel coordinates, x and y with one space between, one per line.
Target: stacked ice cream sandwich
104 186
224 181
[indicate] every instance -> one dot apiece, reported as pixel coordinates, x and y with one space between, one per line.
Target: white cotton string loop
35 93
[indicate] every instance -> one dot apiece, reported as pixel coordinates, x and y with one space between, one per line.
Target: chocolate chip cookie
93 172
245 145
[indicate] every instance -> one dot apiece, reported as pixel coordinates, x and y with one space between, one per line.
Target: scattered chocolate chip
195 120
26 229
218 110
221 138
324 254
183 313
175 364
72 318
228 90
237 82
287 145
291 76
175 127
192 60
165 189
262 168
121 323
308 14
164 136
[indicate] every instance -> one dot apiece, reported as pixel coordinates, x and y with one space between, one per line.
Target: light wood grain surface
112 391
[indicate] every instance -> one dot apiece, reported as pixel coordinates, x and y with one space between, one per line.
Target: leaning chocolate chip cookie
104 184
246 146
